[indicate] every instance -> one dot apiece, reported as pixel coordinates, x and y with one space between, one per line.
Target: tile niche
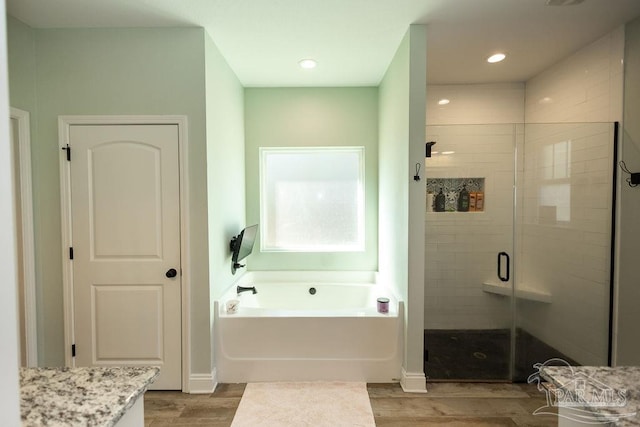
451 188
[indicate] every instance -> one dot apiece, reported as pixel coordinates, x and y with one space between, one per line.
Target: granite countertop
591 392
92 396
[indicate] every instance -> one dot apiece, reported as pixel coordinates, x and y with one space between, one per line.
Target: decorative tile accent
451 188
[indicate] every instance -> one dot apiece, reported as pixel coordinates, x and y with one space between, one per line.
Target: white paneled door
125 209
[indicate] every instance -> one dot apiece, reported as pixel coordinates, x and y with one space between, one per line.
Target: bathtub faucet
241 289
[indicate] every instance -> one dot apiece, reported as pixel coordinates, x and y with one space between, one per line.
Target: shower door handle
500 276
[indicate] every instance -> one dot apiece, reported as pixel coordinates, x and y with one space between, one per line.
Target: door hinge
73 350
68 150
71 253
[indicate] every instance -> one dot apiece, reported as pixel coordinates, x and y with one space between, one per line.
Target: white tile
580 87
486 103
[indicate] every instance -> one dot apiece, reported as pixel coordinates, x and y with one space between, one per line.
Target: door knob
171 273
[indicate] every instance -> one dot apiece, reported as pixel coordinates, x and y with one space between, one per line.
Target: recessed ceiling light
308 63
448 152
496 58
443 101
545 100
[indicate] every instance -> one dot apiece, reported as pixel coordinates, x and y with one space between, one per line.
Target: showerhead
428 146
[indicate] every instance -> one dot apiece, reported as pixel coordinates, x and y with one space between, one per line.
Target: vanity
89 396
592 395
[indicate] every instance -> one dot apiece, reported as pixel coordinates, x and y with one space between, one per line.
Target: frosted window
312 199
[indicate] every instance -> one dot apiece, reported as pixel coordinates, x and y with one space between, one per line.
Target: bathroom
69 90
217 154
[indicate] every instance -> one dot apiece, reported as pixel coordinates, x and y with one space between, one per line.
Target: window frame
358 245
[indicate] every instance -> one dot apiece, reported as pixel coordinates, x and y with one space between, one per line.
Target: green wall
401 230
9 359
313 117
394 190
21 47
225 164
225 160
111 71
22 66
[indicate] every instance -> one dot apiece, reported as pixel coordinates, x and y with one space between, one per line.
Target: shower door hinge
73 350
71 253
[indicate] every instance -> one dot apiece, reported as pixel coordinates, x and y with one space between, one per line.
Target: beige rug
317 404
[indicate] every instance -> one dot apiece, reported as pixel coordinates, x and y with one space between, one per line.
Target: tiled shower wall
475 104
572 259
461 247
565 237
585 87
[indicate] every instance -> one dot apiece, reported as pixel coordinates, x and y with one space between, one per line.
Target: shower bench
522 292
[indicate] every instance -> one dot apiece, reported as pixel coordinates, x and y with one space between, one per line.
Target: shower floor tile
467 355
483 355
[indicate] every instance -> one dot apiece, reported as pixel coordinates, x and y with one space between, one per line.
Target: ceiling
355 40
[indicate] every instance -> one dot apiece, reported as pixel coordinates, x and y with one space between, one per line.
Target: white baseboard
413 382
203 383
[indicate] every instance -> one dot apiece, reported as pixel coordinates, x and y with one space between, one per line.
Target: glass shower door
564 241
518 266
469 222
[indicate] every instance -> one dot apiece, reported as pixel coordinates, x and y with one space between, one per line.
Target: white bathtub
286 333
